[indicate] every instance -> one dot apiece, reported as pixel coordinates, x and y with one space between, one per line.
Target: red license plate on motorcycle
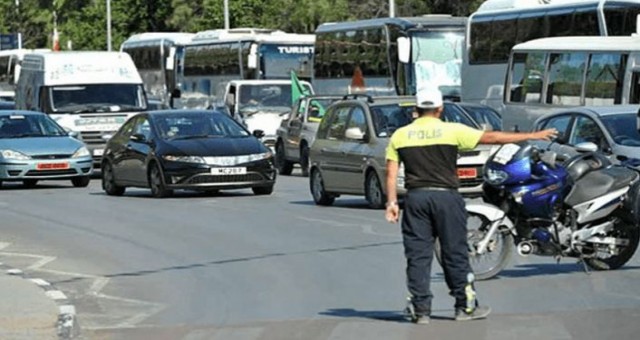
52 166
467 173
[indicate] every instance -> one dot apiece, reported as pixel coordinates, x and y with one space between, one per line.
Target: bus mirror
404 49
253 57
170 57
637 25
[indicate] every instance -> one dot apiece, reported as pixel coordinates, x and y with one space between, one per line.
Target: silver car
348 154
34 147
612 129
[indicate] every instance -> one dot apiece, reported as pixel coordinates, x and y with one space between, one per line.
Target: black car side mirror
138 137
258 133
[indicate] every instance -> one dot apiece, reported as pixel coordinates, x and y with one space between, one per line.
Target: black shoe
415 316
480 312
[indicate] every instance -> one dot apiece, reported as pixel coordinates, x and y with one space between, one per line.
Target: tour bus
91 93
213 58
550 73
10 71
498 25
158 58
389 56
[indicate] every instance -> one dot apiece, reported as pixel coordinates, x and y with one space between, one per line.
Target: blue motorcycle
583 207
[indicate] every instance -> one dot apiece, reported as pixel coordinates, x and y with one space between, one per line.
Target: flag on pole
56 40
297 90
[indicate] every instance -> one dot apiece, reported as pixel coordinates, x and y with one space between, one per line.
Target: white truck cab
92 93
261 104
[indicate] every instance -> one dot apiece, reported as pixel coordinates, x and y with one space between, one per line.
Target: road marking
68 309
40 282
56 295
14 272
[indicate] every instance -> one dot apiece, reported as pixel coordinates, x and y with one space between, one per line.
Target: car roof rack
357 96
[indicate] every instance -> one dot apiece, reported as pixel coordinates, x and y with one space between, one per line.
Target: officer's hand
392 213
547 134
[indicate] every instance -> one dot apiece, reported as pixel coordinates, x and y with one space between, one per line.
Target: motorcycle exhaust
525 248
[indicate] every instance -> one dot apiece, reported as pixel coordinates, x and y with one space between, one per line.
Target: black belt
433 189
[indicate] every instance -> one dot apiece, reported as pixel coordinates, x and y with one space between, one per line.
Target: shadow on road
535 269
356 203
394 316
235 260
179 194
8 186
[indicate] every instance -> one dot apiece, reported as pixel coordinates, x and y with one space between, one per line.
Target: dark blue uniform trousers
429 214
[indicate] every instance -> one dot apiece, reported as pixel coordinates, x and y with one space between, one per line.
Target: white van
91 93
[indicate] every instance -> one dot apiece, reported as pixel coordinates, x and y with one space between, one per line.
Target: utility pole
108 25
226 14
392 8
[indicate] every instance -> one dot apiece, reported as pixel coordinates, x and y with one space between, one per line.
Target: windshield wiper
196 137
25 135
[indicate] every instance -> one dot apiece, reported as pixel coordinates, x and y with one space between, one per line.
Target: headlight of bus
495 177
82 152
10 154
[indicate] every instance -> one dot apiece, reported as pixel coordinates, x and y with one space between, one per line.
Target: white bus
213 58
158 58
551 73
10 71
389 56
498 25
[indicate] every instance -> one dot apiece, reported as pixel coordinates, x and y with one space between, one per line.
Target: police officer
428 148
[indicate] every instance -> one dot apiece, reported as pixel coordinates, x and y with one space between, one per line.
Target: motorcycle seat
600 182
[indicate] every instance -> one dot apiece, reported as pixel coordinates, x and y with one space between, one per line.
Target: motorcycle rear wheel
620 230
498 252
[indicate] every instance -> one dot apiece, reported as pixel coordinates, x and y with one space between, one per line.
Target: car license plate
228 171
98 152
467 173
52 166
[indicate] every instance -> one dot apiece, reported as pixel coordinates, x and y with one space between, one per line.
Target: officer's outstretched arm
499 137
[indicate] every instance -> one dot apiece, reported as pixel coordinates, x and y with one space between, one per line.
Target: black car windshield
484 115
622 128
193 125
20 126
97 98
389 118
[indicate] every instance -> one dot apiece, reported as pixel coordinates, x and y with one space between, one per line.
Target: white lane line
56 295
68 309
40 282
14 272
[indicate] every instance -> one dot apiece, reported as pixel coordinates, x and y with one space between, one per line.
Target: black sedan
186 149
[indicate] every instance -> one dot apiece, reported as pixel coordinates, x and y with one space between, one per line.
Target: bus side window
634 96
528 88
565 78
605 79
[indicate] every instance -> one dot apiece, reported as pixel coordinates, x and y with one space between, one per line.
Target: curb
67 325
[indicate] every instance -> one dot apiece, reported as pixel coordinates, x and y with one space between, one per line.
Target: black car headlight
184 159
495 177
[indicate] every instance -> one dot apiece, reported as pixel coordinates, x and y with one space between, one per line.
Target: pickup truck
298 130
260 104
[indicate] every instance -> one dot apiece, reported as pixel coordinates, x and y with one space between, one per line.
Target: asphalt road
239 266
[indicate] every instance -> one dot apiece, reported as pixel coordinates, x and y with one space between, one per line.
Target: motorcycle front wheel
629 237
498 252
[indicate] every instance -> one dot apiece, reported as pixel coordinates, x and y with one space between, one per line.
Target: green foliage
83 22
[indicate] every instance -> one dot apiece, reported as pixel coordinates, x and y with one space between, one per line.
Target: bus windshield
437 56
279 60
97 98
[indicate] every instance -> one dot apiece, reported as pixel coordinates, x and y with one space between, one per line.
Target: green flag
297 90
